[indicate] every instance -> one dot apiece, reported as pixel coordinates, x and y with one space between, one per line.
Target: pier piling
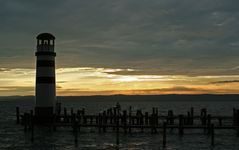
180 127
18 115
212 134
120 119
164 134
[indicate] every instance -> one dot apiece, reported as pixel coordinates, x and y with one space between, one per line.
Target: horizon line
214 94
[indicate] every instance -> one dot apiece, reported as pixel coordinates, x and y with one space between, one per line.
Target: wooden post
209 119
156 111
125 121
117 131
65 115
130 118
54 120
169 117
72 111
75 127
78 116
201 116
100 122
146 118
212 134
31 112
204 116
18 115
32 128
164 134
188 120
91 119
78 112
141 121
153 110
58 108
84 119
83 111
73 119
76 132
97 120
137 117
25 122
111 115
151 122
234 116
104 121
115 112
155 118
220 121
208 123
237 121
180 125
32 133
192 116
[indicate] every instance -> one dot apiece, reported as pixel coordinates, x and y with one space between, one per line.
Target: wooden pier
127 121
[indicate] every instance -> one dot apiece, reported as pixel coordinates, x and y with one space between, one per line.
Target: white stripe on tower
45 75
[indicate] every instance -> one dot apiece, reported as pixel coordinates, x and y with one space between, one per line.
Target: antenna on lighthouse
45 90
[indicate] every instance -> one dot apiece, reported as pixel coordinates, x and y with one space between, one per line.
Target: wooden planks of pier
127 121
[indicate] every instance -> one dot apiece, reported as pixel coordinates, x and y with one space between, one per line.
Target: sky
107 47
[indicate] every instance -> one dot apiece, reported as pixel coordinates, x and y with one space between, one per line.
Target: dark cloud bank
157 37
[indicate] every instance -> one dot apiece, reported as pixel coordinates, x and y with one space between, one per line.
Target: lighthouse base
44 115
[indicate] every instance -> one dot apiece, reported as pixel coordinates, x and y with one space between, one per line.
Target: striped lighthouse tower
45 89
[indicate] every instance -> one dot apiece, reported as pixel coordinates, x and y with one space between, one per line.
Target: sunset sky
107 47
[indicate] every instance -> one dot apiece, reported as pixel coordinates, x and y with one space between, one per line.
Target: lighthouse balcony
45 48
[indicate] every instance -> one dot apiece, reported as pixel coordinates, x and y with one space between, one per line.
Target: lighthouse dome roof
46 36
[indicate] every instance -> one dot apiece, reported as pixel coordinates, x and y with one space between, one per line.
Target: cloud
16 90
226 82
172 90
96 81
157 37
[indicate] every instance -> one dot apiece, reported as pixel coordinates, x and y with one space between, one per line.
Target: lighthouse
45 90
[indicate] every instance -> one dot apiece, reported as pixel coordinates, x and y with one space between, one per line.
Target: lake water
12 136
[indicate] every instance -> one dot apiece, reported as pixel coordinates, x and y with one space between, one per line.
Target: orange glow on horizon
106 81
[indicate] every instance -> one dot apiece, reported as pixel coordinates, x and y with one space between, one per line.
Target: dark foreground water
12 136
